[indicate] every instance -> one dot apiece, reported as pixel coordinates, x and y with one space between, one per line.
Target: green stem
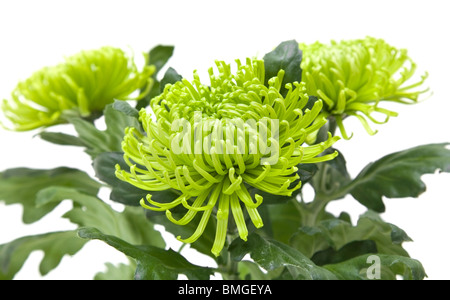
229 270
310 212
182 247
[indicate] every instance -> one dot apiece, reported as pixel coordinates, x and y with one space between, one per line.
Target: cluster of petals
81 86
353 77
237 133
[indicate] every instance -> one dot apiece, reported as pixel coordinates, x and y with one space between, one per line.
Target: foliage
299 240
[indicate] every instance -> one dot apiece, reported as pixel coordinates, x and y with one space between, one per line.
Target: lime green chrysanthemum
352 78
211 142
81 86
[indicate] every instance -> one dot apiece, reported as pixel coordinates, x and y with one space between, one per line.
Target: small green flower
212 142
352 77
81 86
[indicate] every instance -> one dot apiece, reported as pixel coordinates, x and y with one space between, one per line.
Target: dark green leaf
21 185
358 268
248 270
59 138
287 56
116 122
271 255
285 219
336 233
309 240
159 55
170 77
152 262
306 172
96 141
344 216
54 245
348 251
126 108
388 237
109 140
398 235
398 175
130 224
121 191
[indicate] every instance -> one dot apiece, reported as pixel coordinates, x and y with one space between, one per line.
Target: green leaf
116 122
348 251
388 237
159 55
121 191
59 138
109 140
334 234
398 235
285 220
398 175
116 272
54 245
248 270
96 141
21 185
309 240
306 172
287 56
271 255
126 108
390 266
130 224
152 262
170 77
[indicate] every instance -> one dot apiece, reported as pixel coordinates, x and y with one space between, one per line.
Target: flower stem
229 269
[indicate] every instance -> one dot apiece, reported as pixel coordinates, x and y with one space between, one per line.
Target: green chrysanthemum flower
212 142
81 86
352 78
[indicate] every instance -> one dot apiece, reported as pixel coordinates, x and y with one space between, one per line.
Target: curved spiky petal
80 86
353 77
210 142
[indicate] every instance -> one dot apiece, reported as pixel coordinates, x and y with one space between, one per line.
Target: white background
34 34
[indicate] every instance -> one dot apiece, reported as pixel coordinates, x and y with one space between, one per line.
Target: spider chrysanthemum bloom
211 142
352 77
80 86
